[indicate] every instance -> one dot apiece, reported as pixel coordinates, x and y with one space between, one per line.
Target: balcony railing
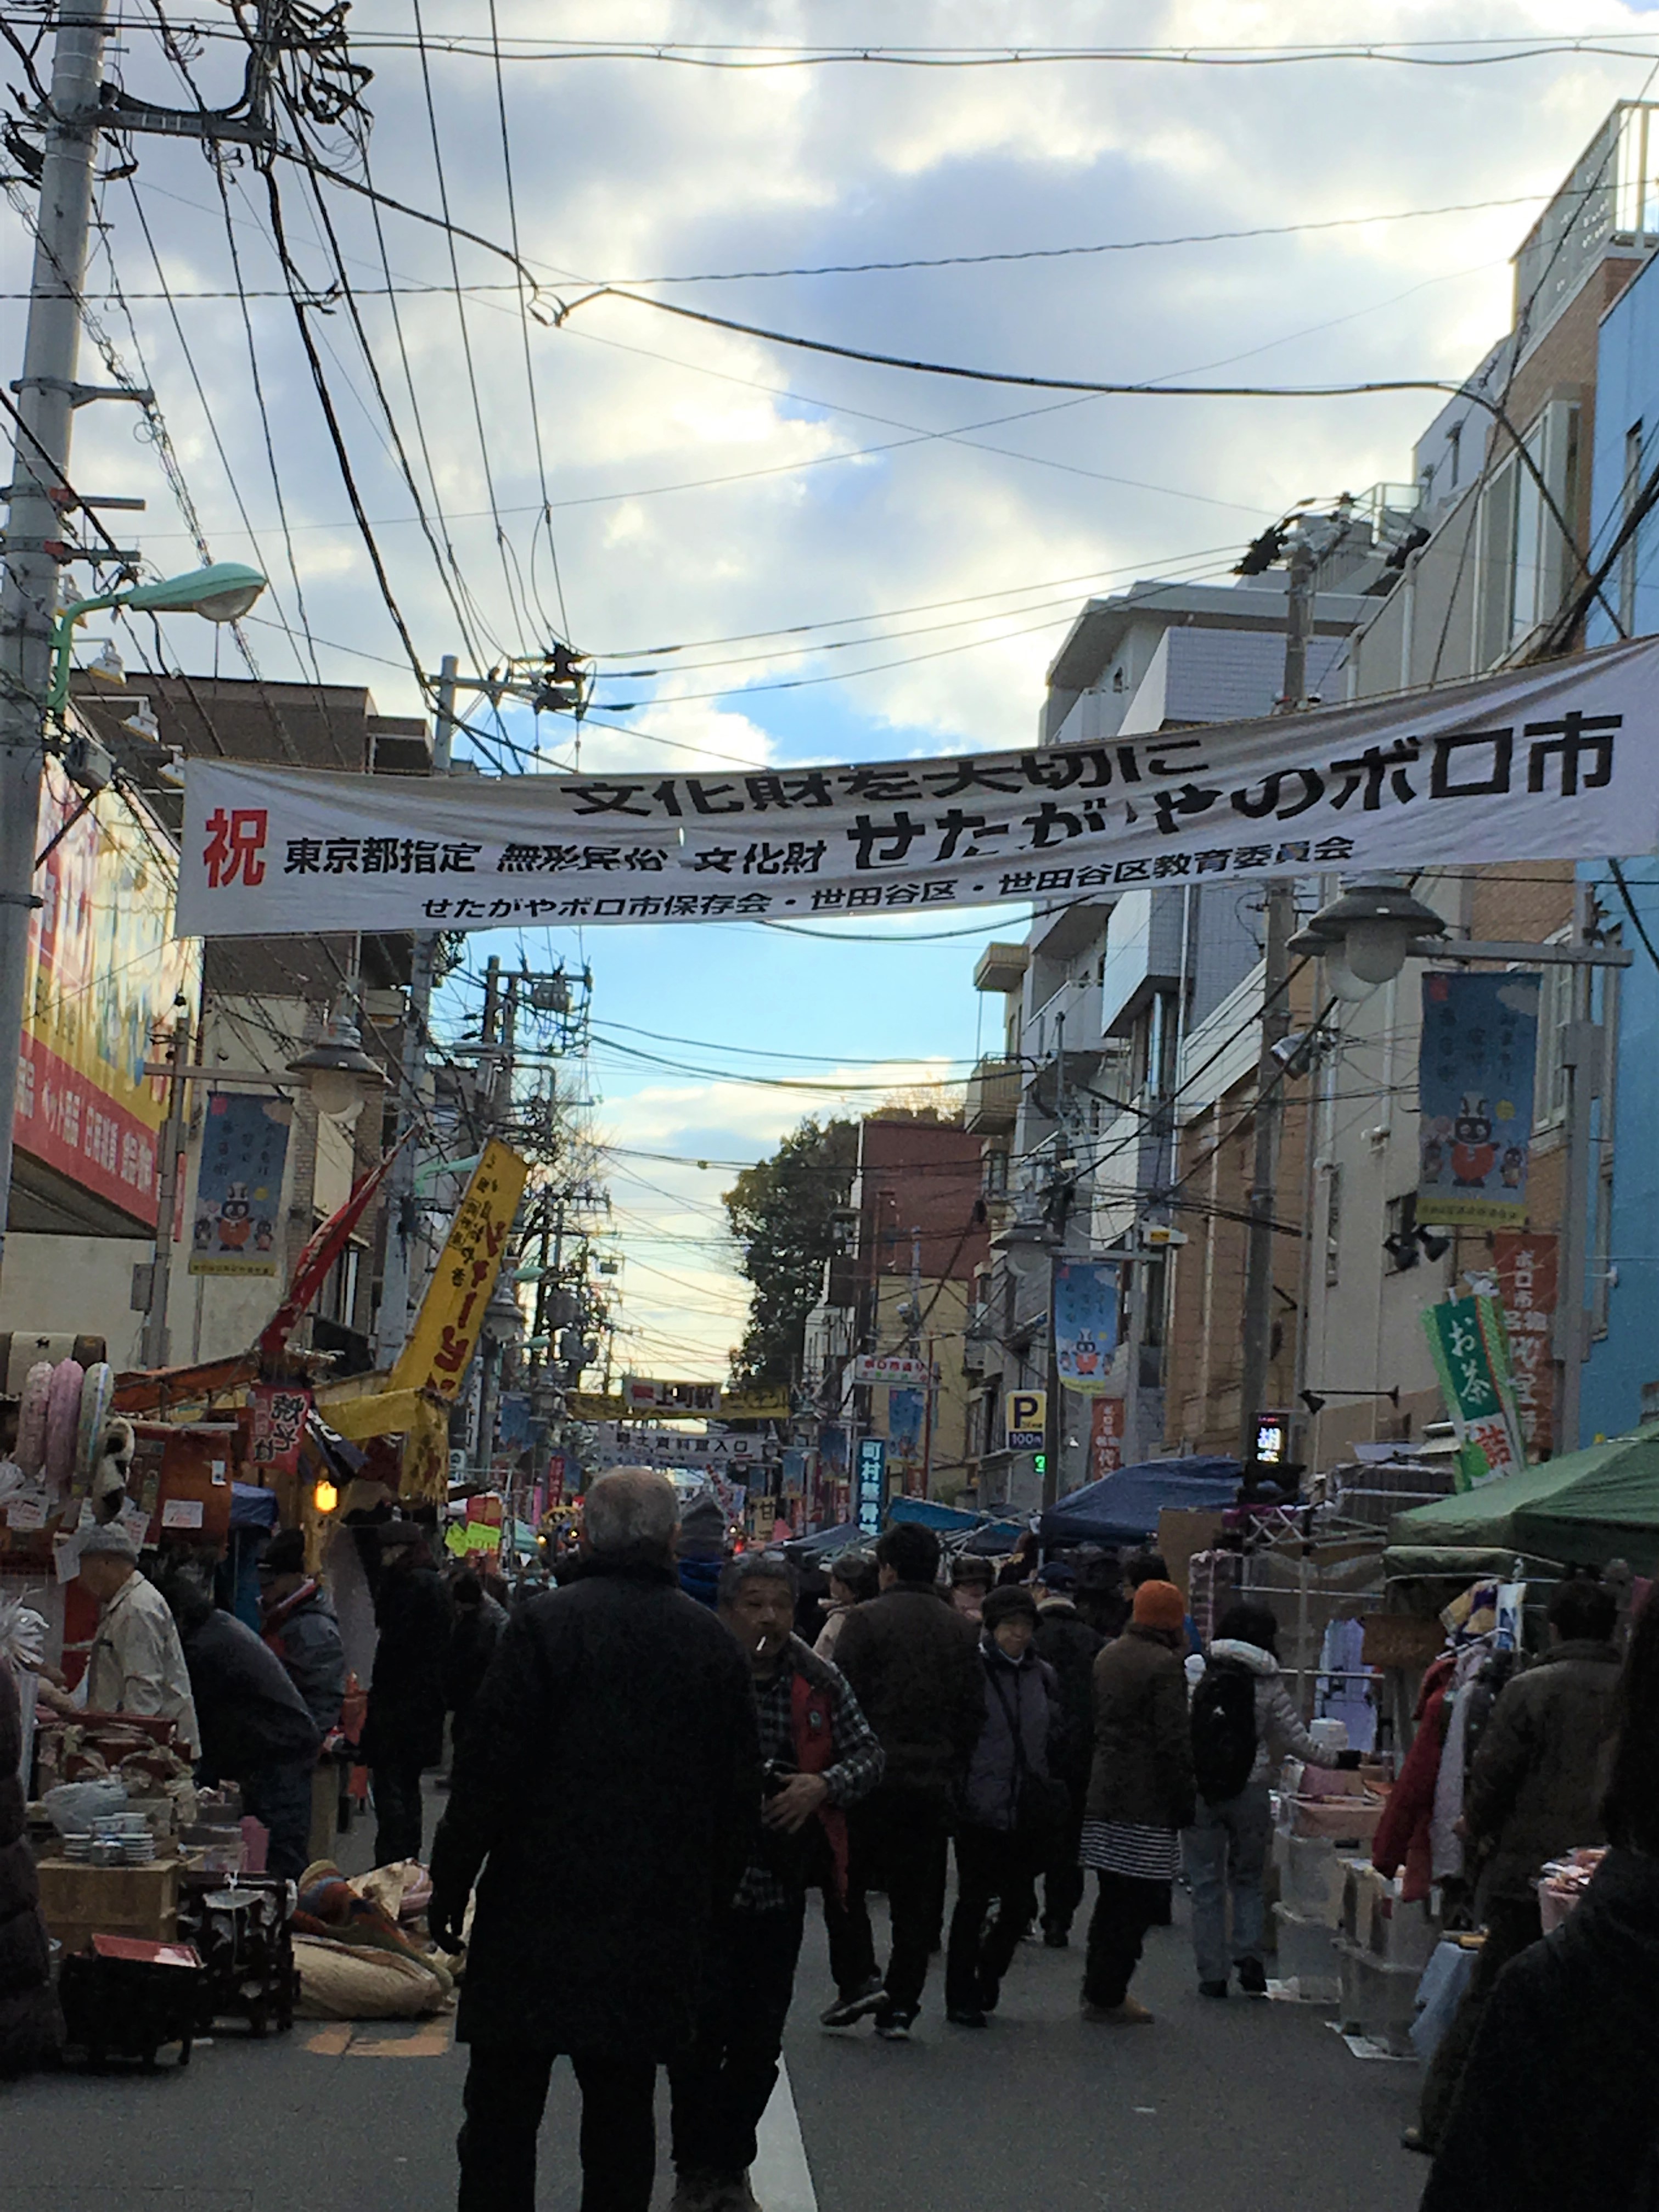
993 1099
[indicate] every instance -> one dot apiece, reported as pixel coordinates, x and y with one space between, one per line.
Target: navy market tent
1123 1508
976 1532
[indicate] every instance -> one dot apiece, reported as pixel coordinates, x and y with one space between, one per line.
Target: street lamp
338 1073
1364 937
221 593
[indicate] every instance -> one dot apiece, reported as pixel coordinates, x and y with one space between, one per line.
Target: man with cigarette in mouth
819 1756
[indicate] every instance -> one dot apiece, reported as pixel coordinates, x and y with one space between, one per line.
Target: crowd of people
655 1767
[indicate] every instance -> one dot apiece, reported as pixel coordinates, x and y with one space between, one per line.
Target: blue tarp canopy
252 1507
827 1544
949 1522
1123 1508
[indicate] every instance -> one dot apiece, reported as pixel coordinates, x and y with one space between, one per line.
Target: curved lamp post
222 593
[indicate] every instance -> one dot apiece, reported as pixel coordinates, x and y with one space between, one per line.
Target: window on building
1549 1084
1628 557
1454 443
1523 562
1400 1245
996 1173
1332 1226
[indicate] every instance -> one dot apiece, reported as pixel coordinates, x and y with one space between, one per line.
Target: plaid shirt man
859 1761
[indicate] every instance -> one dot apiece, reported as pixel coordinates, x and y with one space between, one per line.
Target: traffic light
1040 1462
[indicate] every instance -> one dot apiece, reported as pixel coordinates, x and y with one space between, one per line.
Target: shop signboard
1477 1057
767 1402
103 972
1548 763
279 1411
1105 1437
1086 1324
645 1395
239 1184
555 1467
891 1369
871 1484
440 1344
1526 1266
1470 1349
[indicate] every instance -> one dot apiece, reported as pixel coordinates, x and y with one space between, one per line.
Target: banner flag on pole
1559 762
1476 1064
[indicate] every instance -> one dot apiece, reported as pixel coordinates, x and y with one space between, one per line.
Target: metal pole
1264 1176
1580 1055
153 1345
391 1328
28 600
1275 1025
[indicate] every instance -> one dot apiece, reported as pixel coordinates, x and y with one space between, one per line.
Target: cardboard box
1351 1820
78 1902
1376 1999
1307 1956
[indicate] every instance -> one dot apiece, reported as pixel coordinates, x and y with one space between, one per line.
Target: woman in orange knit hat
1140 1795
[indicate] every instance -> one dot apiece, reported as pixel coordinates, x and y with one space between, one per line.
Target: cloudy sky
779 556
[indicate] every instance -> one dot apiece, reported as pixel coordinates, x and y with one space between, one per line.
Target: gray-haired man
607 1785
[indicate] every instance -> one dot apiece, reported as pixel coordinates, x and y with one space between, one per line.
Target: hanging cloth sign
1476 1062
1556 763
1086 1324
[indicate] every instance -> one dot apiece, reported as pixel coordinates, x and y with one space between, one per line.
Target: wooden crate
79 1901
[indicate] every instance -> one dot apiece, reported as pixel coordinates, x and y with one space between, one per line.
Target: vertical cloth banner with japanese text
1526 1267
1105 1437
279 1411
239 1184
1557 761
1471 1354
1085 1324
1477 1062
433 1364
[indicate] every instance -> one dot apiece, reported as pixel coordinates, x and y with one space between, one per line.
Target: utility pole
1280 921
391 1327
47 395
153 1350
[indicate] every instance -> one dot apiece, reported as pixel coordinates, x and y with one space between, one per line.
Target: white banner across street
1557 762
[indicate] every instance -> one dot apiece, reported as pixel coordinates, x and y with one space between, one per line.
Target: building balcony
993 1100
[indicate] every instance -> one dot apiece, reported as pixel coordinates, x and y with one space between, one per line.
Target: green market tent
1583 1510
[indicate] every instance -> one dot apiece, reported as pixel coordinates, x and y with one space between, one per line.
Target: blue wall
1627 392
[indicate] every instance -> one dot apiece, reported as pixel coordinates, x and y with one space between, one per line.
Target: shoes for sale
1253 1978
965 2016
1129 2013
1054 1937
893 2024
1212 1989
848 2011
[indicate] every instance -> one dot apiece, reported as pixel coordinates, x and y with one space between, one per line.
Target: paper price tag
24 1513
182 1513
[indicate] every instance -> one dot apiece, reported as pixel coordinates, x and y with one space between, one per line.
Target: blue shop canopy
1123 1508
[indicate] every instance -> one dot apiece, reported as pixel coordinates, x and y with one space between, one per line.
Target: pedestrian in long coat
404 1733
608 1788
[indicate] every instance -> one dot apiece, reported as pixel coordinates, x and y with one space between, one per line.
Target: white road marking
781 2178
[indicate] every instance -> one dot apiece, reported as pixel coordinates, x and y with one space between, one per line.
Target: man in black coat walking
1070 1646
912 1662
403 1732
608 1785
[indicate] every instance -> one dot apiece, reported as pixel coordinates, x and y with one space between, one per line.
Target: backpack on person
1224 1730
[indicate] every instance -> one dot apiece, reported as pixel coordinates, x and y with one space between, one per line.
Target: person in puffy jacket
298 1623
1225 1849
1003 1835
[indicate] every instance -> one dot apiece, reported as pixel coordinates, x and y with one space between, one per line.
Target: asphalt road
1235 2108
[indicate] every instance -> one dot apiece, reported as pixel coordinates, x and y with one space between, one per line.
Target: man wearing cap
138 1664
1141 1795
297 1622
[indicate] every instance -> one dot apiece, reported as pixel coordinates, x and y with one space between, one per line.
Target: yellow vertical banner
446 1331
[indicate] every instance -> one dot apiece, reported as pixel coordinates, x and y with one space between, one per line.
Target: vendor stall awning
1582 1510
1123 1508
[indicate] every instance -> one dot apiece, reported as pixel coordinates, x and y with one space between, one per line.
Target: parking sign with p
1027 1420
